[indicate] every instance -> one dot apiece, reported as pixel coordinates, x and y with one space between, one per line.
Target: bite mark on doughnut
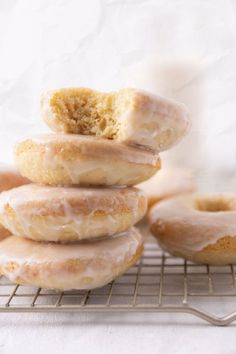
84 111
129 115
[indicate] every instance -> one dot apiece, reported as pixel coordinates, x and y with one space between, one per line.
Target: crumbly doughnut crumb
88 112
130 116
224 244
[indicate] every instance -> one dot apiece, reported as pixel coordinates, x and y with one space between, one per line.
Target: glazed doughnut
170 181
131 116
69 266
10 178
70 214
83 160
200 228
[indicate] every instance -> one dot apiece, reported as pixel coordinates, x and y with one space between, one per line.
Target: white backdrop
185 49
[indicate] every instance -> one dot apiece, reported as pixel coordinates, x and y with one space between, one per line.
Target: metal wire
158 283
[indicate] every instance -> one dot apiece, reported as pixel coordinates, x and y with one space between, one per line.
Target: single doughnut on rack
83 160
200 228
130 116
69 266
64 214
169 182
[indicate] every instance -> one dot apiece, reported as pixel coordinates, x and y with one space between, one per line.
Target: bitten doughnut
168 182
83 160
200 228
10 178
69 266
129 115
70 214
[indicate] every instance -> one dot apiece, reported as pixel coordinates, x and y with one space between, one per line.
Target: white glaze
190 229
153 121
95 160
88 145
114 252
62 220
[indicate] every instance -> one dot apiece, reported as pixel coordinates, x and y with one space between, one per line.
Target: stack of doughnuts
73 226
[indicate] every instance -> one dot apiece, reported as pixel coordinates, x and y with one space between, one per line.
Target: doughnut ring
63 214
130 116
69 266
10 178
200 228
67 159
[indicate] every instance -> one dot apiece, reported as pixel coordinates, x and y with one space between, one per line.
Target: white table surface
185 49
107 333
118 332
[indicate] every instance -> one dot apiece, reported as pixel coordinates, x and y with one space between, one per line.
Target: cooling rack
158 283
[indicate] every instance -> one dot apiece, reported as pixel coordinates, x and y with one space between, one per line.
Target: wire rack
158 283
